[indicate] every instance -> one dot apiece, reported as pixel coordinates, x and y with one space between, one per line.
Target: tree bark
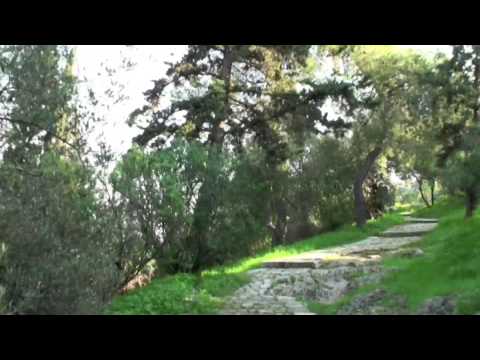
197 240
471 193
432 192
471 203
361 211
279 229
420 189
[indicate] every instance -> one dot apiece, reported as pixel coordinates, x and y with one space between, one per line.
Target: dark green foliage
461 173
322 189
38 93
57 260
379 192
238 227
160 190
458 123
242 159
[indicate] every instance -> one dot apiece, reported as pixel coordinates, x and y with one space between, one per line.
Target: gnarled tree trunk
422 194
361 211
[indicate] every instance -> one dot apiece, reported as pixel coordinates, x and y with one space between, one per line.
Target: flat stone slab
355 254
291 264
411 229
304 313
420 220
376 244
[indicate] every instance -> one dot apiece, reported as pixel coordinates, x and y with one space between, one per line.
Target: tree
57 259
459 121
208 70
381 77
414 153
37 111
56 255
232 96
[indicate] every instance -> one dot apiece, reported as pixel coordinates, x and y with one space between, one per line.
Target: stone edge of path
415 220
409 229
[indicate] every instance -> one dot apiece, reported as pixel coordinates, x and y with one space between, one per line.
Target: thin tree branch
4 118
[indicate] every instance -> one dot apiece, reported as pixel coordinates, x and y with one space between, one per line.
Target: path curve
282 286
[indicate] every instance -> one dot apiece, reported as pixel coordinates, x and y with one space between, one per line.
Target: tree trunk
361 211
471 193
420 189
197 240
432 192
279 228
471 203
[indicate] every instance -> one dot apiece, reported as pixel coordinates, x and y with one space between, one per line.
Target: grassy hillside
450 265
202 294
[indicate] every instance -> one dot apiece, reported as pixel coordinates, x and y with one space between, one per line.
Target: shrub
321 189
159 191
56 259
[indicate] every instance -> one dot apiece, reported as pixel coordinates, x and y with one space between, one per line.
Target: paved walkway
280 287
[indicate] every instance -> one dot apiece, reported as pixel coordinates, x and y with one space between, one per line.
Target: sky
131 83
428 49
148 65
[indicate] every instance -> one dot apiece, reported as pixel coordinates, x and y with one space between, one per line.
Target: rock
276 288
364 304
408 252
373 278
304 313
418 252
421 221
409 229
438 306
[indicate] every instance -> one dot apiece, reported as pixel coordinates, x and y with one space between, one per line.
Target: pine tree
232 95
37 108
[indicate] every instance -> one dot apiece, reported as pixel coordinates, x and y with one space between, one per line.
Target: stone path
282 286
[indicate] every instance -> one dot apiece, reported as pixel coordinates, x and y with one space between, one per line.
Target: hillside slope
206 293
445 280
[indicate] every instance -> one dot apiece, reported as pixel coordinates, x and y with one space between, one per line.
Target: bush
56 259
322 188
159 191
238 228
380 193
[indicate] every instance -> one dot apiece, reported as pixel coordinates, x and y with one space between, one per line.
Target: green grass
204 293
450 266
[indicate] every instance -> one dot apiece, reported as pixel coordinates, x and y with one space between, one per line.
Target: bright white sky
149 65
